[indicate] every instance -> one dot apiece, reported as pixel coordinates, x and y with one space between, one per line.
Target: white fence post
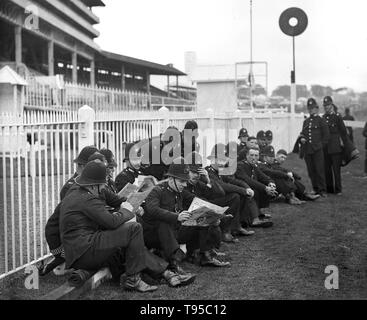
86 132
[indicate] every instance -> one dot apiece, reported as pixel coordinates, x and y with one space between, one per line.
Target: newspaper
146 182
204 213
136 194
128 190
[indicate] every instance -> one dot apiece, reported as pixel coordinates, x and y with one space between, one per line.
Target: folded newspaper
203 213
136 194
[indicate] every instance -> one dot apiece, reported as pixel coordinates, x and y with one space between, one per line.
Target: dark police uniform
316 132
91 234
284 184
349 117
257 181
300 188
232 198
162 207
152 163
333 152
52 231
128 175
364 133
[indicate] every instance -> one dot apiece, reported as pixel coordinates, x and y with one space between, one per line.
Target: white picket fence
36 159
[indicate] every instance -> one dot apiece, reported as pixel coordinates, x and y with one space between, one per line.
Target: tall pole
293 80
251 72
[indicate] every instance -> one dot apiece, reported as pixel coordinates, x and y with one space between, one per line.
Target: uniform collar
133 171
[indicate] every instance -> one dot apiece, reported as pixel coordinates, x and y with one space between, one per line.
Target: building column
177 86
167 85
74 62
122 77
92 73
50 58
148 81
18 44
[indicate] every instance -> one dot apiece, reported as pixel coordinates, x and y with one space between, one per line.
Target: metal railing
70 97
36 160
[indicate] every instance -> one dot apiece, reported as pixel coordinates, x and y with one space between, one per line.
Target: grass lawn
284 262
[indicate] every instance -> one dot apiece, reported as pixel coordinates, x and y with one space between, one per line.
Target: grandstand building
52 37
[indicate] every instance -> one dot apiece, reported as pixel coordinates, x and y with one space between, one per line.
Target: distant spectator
349 117
365 146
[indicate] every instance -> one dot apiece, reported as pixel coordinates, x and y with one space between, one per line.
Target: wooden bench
68 292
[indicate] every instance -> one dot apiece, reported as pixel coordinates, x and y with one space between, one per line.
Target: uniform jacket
52 229
128 175
224 182
252 175
365 134
271 171
68 184
111 185
152 162
163 204
82 218
241 151
277 166
337 131
202 190
316 132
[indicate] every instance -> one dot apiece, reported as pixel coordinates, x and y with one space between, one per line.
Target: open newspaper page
128 190
146 183
137 198
204 213
136 195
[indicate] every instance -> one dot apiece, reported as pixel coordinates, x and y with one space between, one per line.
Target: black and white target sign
293 21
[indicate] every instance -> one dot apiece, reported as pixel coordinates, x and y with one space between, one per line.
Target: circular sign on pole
293 21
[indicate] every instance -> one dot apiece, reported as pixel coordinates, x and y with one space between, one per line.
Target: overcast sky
332 51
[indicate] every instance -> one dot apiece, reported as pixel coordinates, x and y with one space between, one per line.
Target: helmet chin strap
174 181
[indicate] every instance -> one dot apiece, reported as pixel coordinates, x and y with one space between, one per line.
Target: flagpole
251 71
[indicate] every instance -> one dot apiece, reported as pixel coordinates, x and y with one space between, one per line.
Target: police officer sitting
91 235
164 212
333 148
242 136
263 186
284 181
133 165
111 166
268 137
261 141
301 193
234 194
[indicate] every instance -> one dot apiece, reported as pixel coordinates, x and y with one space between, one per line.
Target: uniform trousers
300 189
284 186
202 238
333 164
315 169
110 242
262 199
167 238
234 202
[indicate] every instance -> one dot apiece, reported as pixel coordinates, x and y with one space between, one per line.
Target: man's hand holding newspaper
203 213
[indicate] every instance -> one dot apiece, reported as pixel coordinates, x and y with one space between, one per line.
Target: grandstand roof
154 68
93 3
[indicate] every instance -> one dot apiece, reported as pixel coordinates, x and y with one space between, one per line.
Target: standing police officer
333 149
315 135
